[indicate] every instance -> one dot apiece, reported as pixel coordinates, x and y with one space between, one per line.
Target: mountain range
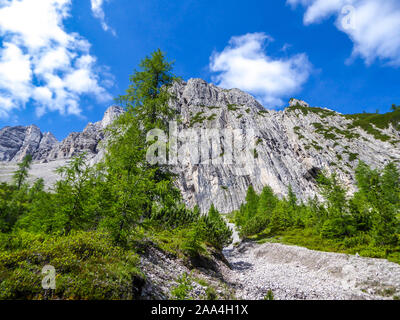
291 146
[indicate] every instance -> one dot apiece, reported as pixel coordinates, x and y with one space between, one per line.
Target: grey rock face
85 141
17 142
293 102
291 146
11 140
290 150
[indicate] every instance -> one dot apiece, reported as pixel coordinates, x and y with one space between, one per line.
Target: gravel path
292 272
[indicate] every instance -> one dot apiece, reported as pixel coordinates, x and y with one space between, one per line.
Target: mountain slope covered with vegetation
93 224
367 223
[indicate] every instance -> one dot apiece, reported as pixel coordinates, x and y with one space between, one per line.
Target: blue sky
62 62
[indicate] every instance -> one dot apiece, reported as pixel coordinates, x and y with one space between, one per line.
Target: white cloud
41 62
98 12
244 64
372 25
6 104
15 73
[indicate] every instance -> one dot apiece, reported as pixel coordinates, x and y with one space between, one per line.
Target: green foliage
192 245
316 146
211 293
147 96
255 153
381 121
233 107
262 112
198 118
346 133
134 189
87 266
182 290
193 235
13 204
269 296
87 225
213 107
255 214
323 113
73 196
353 156
214 229
371 123
326 132
22 173
367 222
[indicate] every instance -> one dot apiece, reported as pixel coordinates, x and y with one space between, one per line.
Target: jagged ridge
292 146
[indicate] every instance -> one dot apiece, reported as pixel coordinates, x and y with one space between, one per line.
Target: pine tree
139 190
292 202
14 199
334 194
339 222
147 96
216 230
390 184
23 169
267 201
292 199
386 224
251 202
73 194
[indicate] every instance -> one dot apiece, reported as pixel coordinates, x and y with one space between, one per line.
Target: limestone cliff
290 146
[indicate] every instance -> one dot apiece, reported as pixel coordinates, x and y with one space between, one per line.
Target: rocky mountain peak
17 142
110 115
87 140
294 102
290 147
197 92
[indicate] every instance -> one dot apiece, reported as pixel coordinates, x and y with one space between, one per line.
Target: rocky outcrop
294 102
164 270
288 147
17 142
85 141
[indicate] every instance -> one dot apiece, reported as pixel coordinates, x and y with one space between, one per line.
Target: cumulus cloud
372 25
244 64
41 62
98 12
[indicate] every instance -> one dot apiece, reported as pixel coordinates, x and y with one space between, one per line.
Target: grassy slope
371 123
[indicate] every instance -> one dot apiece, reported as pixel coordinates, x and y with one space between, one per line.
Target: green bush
182 290
367 222
254 225
192 244
214 229
86 226
87 266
